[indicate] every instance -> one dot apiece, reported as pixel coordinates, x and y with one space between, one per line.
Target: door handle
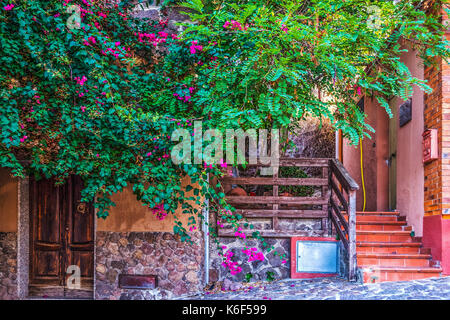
389 161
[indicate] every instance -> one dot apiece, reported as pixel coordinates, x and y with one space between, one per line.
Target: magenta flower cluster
195 47
234 25
8 7
159 211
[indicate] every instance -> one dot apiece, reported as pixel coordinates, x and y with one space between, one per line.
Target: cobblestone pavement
336 289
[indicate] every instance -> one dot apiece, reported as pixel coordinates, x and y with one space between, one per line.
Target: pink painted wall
436 235
410 182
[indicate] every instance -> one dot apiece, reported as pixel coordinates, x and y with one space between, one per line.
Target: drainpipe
206 235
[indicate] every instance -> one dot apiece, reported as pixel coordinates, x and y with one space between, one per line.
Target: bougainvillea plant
101 95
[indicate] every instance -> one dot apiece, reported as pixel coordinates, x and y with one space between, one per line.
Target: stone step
393 260
382 274
384 236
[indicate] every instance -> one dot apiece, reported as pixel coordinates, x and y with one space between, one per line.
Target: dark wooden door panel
61 235
45 238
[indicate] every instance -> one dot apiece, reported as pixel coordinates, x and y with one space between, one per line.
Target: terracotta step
393 260
374 218
381 225
384 236
382 274
389 247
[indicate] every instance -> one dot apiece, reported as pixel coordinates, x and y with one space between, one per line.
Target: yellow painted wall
130 215
8 201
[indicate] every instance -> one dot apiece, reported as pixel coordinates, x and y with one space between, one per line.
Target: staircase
386 251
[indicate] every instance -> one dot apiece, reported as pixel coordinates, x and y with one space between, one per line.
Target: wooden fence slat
268 233
276 181
296 162
276 200
280 213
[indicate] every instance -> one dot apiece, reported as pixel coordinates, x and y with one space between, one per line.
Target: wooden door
392 161
61 236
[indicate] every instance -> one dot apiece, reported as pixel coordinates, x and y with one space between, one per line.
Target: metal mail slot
143 282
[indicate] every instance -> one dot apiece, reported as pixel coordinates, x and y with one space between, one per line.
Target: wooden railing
337 196
343 195
277 207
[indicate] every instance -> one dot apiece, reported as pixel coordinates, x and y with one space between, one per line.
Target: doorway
392 161
61 250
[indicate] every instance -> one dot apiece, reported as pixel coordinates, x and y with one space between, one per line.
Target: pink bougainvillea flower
359 91
83 108
8 7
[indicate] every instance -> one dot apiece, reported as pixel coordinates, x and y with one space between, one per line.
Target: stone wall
272 263
178 266
259 269
8 265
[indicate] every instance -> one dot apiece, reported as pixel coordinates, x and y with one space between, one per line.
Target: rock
100 268
113 248
192 276
123 242
170 266
181 267
118 264
138 254
227 283
176 276
111 275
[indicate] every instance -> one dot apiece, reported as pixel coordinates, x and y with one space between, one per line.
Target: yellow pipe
362 176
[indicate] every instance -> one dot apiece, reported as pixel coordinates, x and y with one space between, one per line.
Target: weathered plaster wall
410 182
130 215
177 265
8 201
